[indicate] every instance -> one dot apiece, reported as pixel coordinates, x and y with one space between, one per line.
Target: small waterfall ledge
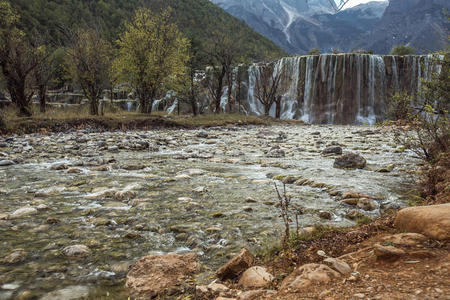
339 88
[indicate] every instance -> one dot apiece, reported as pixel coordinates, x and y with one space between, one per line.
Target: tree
267 86
222 53
44 72
89 64
402 50
153 53
17 59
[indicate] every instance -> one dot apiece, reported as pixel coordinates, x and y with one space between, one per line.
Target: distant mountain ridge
300 25
196 18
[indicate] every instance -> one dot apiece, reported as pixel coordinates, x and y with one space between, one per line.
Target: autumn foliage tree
17 59
153 53
89 61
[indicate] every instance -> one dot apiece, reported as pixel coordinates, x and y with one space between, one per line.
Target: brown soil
423 273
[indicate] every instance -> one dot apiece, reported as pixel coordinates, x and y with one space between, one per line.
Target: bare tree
222 53
267 87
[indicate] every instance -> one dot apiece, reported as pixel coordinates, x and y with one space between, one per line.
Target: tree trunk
267 109
278 108
22 101
94 106
42 98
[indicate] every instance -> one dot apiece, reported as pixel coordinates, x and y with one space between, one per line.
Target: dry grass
78 117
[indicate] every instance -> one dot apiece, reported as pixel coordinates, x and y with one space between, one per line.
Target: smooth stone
23 212
5 163
305 276
255 277
339 265
387 252
17 256
68 293
76 251
366 204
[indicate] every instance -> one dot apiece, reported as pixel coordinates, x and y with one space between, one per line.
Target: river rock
350 161
432 221
68 293
354 214
236 265
306 275
59 166
23 212
276 153
366 204
332 150
76 251
5 163
161 275
255 277
17 256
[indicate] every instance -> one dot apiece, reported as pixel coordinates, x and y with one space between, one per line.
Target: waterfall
335 88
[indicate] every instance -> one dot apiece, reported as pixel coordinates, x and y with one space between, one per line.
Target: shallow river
126 195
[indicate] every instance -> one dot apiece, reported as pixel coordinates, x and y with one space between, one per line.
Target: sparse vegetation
402 50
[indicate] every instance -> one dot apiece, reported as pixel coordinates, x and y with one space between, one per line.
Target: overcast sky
355 2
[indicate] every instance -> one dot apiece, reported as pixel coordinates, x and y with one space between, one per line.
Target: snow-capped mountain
300 25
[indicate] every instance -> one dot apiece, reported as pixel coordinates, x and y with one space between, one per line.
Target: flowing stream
126 195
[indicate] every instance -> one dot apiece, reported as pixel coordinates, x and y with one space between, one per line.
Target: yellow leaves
152 50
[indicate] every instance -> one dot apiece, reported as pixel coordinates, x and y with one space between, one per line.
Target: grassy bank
68 119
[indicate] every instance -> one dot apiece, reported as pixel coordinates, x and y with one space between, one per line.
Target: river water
126 195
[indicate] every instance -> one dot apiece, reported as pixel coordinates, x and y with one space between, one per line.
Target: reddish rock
236 265
255 277
432 221
160 275
306 275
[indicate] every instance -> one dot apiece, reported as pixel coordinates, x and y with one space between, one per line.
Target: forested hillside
196 18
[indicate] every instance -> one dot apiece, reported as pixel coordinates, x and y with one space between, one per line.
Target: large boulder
162 275
432 221
236 265
350 161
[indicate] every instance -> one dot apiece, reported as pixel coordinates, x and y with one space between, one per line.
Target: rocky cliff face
421 24
298 26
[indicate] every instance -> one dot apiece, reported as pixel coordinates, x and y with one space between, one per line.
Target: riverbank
66 120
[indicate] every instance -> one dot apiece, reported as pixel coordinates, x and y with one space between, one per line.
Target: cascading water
342 88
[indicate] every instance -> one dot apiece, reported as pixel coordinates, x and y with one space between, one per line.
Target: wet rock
326 215
68 293
202 134
255 277
354 214
16 256
124 195
276 153
350 161
28 295
339 265
236 265
113 149
432 221
49 191
162 275
387 252
350 201
59 166
23 212
333 150
307 275
76 251
100 221
355 194
366 204
5 163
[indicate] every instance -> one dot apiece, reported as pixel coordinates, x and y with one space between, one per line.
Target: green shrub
402 50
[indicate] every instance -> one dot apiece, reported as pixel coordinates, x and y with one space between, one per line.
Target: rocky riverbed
78 208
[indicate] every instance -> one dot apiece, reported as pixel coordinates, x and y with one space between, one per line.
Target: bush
400 107
402 50
314 51
430 134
